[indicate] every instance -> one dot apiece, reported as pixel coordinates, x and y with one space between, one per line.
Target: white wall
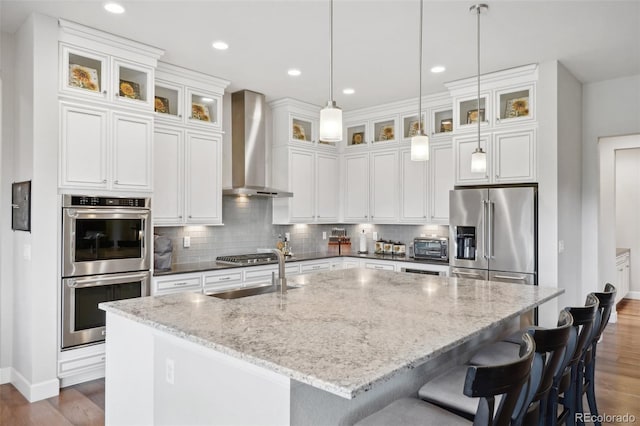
609 108
7 59
627 180
36 276
569 187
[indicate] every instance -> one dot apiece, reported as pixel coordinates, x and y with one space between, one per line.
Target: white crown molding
174 73
521 74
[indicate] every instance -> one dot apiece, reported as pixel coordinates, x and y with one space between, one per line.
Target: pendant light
331 115
479 157
420 142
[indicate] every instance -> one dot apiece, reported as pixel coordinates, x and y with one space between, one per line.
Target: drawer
166 286
213 279
262 273
380 266
315 267
79 364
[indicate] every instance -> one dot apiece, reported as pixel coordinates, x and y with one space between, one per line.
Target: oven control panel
90 201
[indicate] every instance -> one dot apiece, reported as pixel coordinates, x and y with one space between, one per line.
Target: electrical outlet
375 236
26 252
324 235
186 241
169 370
287 236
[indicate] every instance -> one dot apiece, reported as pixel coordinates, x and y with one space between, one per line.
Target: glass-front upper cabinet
356 134
83 72
514 105
384 130
168 101
133 83
302 129
441 121
410 126
204 109
468 114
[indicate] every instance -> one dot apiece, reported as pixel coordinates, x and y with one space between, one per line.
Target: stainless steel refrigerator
493 234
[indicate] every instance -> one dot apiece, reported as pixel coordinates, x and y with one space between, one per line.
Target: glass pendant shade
420 147
331 123
478 161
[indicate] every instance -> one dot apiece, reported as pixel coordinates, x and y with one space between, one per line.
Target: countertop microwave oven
431 248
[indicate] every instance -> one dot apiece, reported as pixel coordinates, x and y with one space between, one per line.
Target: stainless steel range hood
248 147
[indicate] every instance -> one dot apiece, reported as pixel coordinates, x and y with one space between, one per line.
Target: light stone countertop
341 331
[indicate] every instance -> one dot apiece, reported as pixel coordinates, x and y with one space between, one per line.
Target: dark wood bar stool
564 389
586 382
481 386
551 345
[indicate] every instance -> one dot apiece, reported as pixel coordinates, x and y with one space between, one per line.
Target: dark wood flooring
617 384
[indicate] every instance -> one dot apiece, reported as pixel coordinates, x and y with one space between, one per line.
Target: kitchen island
329 352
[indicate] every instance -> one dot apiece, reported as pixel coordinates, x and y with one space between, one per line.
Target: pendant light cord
420 130
331 51
479 8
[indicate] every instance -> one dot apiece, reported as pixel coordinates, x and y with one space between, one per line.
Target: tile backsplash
247 227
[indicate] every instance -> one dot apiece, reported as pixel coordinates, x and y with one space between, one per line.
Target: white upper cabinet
132 148
327 187
302 184
132 84
356 188
296 124
508 126
413 189
376 132
168 178
441 181
203 179
83 73
384 187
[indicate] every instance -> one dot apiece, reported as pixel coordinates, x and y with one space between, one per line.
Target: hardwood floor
617 384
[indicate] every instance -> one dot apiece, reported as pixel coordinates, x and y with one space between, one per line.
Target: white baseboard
81 378
35 392
5 375
633 295
614 317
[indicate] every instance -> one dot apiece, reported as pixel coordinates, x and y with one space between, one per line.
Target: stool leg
551 416
570 397
579 389
591 392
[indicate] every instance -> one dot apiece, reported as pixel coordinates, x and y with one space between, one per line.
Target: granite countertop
213 265
620 251
342 331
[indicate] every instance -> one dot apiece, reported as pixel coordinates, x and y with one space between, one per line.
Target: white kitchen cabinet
384 187
203 179
132 84
623 273
178 283
350 264
94 157
296 124
380 265
441 181
168 177
465 116
315 266
217 281
356 188
463 147
372 131
205 108
84 146
514 105
83 73
132 152
441 121
413 188
312 176
514 156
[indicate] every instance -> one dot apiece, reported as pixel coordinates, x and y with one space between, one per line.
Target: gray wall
609 108
247 226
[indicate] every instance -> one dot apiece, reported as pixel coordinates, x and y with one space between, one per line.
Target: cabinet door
133 84
203 186
356 188
413 181
83 72
514 156
168 183
301 183
327 188
203 108
463 148
384 186
83 147
132 152
440 182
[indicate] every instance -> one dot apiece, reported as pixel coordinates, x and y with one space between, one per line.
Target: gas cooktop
248 259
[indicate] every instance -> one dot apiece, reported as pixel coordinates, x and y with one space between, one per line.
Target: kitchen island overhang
342 333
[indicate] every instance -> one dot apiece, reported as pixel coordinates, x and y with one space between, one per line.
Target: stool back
508 380
606 301
583 320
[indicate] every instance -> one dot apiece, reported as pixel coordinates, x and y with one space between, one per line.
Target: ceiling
375 41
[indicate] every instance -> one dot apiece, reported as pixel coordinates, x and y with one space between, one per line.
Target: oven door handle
142 213
94 282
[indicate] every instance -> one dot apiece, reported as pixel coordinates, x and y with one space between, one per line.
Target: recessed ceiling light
207 100
294 72
114 8
220 45
437 69
348 91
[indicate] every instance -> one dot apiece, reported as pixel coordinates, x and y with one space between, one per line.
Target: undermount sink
246 292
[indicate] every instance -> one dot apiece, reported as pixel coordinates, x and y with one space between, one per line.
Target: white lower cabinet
356 188
82 364
176 284
381 265
315 266
100 149
623 276
216 281
187 178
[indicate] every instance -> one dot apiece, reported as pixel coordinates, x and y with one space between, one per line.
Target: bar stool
586 383
482 384
565 383
550 347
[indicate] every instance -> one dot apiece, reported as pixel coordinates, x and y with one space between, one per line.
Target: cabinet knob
497 175
191 117
118 94
104 181
116 182
179 115
180 217
189 216
497 119
425 216
104 91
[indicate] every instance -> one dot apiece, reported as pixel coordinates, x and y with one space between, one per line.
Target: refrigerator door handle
471 274
485 251
492 213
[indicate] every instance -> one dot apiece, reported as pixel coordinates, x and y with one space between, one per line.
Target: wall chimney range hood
248 147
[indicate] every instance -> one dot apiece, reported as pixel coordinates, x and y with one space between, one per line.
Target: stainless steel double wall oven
105 256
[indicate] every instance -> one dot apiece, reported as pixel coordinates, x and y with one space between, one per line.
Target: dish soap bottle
363 243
